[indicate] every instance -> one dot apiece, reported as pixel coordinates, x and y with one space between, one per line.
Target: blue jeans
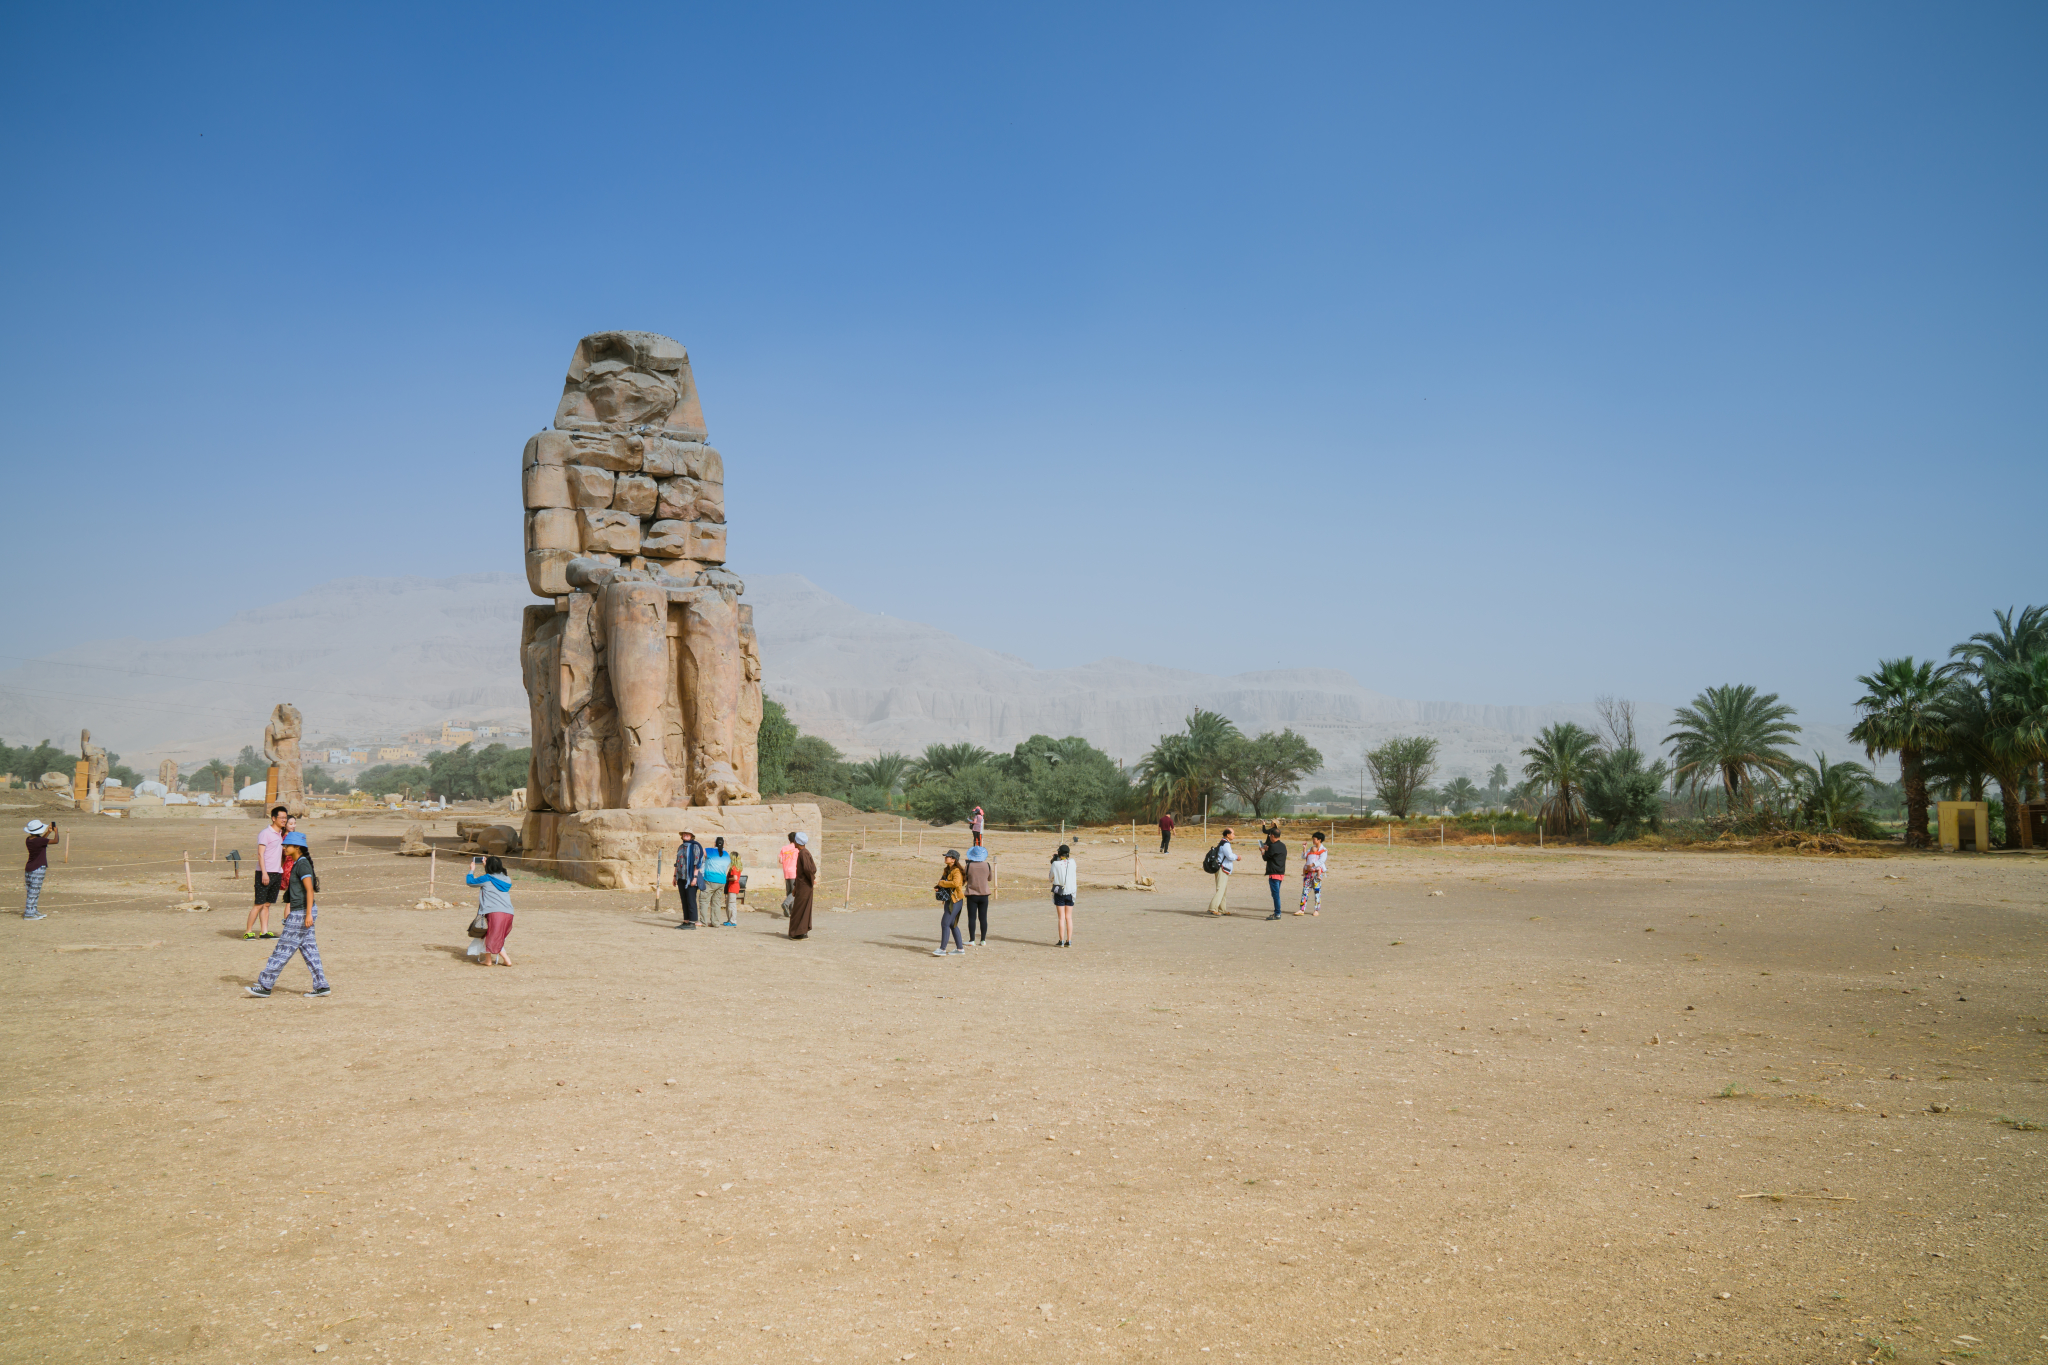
949 923
1274 882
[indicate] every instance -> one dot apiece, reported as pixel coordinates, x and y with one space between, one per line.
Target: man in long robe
806 883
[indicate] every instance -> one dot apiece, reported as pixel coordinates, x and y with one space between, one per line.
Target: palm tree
1185 769
1981 728
884 771
2022 693
1901 715
1735 734
1831 792
1497 779
1460 795
1559 763
947 760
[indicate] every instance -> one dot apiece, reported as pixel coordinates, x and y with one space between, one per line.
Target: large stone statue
643 673
281 747
167 773
94 760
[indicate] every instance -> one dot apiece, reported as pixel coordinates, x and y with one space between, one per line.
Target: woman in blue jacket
494 903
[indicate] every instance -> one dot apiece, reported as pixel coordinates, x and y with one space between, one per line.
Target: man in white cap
40 837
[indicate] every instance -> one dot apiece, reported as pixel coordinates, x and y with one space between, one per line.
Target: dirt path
1488 1123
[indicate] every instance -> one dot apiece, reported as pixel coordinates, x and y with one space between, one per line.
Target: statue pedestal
635 850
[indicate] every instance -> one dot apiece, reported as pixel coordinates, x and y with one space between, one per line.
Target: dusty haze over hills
374 657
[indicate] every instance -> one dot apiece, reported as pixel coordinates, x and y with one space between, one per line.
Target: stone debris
432 903
413 843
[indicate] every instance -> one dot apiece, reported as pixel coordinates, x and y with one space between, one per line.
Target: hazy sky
1513 353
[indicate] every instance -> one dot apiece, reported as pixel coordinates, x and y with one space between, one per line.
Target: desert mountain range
367 658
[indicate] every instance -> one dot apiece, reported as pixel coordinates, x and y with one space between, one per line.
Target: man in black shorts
269 872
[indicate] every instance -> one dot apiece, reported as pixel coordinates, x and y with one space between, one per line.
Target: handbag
479 927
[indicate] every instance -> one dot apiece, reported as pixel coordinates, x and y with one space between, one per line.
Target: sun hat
34 827
296 840
802 838
977 854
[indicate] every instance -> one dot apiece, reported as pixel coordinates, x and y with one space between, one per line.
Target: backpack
1212 861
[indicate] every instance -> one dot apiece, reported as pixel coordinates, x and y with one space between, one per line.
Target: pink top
270 850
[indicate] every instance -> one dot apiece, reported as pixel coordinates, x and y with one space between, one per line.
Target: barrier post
344 844
849 874
433 855
659 863
214 855
1439 834
188 876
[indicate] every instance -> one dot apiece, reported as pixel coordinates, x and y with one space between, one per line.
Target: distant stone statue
281 747
95 759
167 773
643 673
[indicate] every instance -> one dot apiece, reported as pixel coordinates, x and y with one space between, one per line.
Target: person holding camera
494 903
40 837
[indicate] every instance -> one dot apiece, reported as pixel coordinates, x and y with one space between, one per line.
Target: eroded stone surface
281 747
644 673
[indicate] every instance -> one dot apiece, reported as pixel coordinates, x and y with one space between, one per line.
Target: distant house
359 755
397 753
337 755
455 734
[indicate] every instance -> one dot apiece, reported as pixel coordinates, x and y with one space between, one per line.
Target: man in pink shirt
269 873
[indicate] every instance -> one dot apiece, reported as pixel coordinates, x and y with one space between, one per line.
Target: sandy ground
1489 1106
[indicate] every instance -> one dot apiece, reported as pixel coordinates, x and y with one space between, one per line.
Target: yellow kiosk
1965 826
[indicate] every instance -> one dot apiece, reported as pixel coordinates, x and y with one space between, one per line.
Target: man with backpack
689 878
1219 860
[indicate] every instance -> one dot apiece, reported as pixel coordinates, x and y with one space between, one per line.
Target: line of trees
30 761
1959 728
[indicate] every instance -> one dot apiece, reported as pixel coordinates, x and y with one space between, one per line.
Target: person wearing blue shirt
689 877
717 901
494 903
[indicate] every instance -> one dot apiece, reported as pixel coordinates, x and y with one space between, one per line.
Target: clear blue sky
1492 353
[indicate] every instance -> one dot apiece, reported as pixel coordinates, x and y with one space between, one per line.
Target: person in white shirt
1226 858
1313 864
1065 881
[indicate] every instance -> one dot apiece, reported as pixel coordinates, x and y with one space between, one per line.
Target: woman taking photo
1065 880
494 903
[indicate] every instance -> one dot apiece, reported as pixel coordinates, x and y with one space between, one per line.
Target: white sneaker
956 952
938 952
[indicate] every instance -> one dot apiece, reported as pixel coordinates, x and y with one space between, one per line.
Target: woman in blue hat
302 884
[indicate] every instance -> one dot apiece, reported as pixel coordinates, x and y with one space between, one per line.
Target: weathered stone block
620 452
590 487
610 532
548 447
707 541
666 540
547 485
547 571
634 494
635 849
554 528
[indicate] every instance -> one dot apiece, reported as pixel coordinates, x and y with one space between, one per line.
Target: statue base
635 850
